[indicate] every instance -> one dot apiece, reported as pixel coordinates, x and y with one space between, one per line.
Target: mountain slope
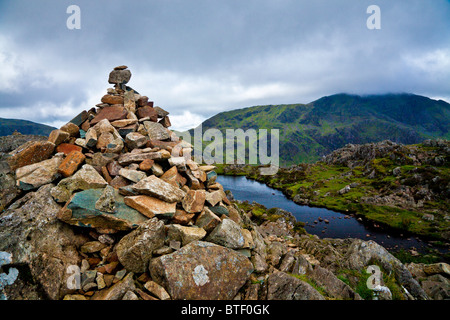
8 126
309 131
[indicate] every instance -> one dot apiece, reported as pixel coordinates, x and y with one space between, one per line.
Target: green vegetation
309 131
358 281
8 126
406 257
312 283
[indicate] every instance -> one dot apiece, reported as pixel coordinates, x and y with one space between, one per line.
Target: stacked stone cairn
152 212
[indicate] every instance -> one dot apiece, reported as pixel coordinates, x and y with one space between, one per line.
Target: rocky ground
111 207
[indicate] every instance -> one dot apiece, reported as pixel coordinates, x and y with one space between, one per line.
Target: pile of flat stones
120 172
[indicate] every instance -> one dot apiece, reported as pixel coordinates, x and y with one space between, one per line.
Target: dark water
338 226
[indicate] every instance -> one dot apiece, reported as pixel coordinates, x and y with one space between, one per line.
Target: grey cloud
207 56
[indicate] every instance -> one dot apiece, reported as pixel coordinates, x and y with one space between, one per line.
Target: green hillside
310 131
8 126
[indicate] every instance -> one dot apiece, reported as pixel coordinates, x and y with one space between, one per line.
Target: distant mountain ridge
310 131
8 126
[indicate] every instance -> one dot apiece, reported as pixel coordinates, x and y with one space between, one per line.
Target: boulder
35 175
8 189
332 285
80 118
361 253
185 235
67 148
155 187
207 220
124 122
72 129
101 159
135 249
194 201
128 158
146 165
201 271
179 162
173 177
437 268
71 163
91 138
150 206
29 153
135 140
110 113
58 136
281 286
215 197
161 112
182 217
165 121
228 234
40 244
85 178
156 131
147 112
132 175
120 76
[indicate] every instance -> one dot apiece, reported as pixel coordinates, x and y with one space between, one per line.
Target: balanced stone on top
120 75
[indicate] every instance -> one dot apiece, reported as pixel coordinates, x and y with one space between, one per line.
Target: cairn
120 172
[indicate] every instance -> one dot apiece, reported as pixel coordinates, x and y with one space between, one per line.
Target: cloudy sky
196 58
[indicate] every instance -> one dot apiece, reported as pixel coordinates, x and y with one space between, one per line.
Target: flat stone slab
80 211
37 174
29 153
150 206
155 187
110 113
128 158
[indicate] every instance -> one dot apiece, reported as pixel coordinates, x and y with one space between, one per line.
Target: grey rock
156 131
201 271
153 186
107 201
118 290
135 249
85 178
228 234
119 76
282 286
40 243
37 174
